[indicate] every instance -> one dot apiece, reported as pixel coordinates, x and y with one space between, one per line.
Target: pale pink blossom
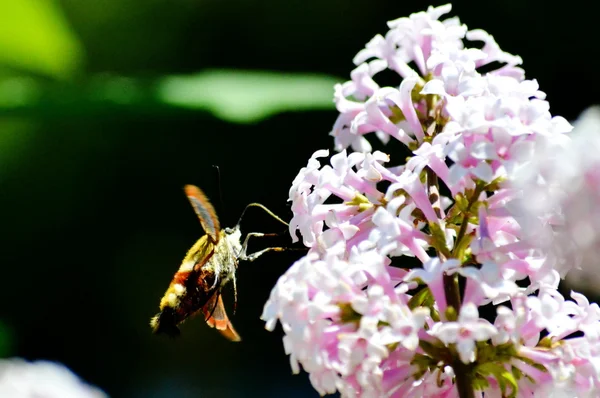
465 332
407 257
335 329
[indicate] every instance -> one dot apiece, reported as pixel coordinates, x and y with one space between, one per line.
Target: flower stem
452 292
464 382
463 379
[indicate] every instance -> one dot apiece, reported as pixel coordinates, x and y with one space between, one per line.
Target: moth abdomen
166 322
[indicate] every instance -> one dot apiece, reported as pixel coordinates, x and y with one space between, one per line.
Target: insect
207 267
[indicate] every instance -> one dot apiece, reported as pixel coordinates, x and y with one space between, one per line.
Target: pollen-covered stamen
361 201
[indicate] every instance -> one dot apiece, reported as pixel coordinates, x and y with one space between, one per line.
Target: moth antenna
221 201
269 212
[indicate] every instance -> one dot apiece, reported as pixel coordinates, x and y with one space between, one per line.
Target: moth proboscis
208 266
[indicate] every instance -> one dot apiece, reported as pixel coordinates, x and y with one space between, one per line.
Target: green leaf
435 349
248 96
504 377
420 298
439 238
34 35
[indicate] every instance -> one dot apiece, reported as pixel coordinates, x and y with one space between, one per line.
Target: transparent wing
216 317
205 212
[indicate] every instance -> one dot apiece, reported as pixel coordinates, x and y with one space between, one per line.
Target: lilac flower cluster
361 322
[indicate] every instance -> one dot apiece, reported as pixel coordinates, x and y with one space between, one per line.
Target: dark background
94 220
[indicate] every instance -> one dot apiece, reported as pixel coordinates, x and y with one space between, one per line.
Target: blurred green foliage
248 96
230 95
35 36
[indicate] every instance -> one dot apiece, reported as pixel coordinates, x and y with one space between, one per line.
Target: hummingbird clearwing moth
208 266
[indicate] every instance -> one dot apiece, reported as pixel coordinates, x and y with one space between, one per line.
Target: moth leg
242 254
254 256
234 295
217 273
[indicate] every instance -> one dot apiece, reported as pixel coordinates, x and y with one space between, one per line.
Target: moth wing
205 211
216 317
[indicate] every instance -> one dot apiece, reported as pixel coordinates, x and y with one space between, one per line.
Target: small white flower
468 330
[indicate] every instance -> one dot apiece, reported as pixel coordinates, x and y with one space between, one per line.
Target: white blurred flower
561 196
42 379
